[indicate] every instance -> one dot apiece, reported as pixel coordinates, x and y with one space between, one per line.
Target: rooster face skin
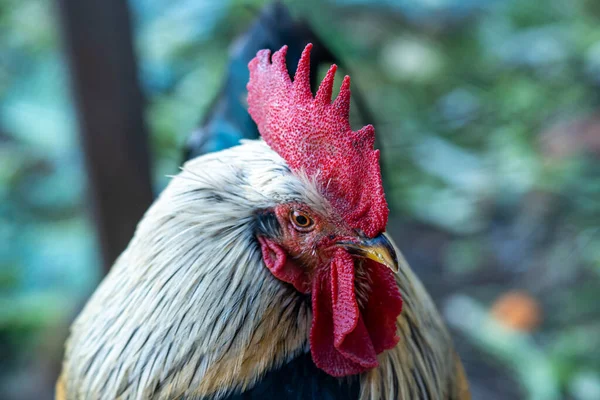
296 241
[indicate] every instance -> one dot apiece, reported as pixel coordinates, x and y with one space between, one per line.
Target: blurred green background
488 114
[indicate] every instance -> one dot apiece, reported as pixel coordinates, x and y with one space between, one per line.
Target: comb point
326 87
342 102
263 57
302 76
278 59
367 135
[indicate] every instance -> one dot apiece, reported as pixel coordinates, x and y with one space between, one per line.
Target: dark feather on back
300 379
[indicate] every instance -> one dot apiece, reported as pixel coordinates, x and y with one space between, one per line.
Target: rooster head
337 254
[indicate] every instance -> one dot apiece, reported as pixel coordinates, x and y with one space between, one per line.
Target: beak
378 249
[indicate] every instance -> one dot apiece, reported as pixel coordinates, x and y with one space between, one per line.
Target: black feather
267 225
300 379
228 120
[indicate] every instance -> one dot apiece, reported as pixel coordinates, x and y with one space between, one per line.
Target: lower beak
378 249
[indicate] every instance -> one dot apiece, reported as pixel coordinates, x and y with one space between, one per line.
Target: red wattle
344 338
350 336
344 307
383 307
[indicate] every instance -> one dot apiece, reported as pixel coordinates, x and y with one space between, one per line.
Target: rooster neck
189 309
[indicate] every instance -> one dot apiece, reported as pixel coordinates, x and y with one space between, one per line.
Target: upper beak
378 249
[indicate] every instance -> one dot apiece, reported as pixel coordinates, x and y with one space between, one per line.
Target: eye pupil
301 220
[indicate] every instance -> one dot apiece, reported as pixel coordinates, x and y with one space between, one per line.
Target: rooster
264 271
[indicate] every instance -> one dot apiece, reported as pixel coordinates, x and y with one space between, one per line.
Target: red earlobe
281 267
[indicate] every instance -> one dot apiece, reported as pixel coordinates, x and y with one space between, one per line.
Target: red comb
313 135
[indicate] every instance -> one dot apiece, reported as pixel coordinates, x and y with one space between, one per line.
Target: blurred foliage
489 116
48 260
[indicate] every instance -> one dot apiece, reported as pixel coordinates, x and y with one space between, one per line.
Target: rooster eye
301 221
